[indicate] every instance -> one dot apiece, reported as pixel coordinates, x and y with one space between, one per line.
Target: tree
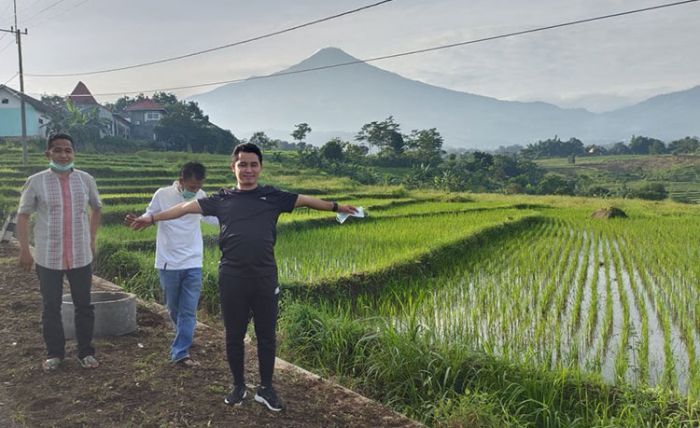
123 102
165 100
651 191
354 152
301 130
619 149
425 146
555 184
684 145
84 125
333 150
385 136
187 128
641 145
554 147
261 140
504 167
599 192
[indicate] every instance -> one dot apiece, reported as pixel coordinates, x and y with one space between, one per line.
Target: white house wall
11 117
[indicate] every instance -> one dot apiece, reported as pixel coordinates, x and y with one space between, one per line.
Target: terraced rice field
532 281
569 292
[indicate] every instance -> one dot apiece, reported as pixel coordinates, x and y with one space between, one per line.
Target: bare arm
95 220
26 261
321 205
138 223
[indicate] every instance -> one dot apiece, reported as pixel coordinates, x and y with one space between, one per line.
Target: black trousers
51 286
241 297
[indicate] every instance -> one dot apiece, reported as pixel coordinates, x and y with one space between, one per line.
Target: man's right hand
129 219
138 223
26 261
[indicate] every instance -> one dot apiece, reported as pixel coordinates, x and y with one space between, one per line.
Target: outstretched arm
321 205
138 223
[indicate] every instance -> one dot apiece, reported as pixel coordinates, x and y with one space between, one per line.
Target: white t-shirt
179 241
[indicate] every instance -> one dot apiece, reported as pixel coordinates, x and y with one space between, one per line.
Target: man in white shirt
179 257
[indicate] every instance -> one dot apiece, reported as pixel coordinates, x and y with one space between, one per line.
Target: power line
413 52
5 9
6 46
10 79
56 3
9 5
29 6
75 6
229 45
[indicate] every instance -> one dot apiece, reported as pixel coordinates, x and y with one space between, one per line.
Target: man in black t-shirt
248 272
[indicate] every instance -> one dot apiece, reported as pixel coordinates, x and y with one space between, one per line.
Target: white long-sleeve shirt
179 241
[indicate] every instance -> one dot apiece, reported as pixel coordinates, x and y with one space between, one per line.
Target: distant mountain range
338 101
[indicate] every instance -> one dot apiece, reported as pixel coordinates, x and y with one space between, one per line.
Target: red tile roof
147 104
81 95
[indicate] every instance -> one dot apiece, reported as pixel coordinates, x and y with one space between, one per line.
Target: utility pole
23 112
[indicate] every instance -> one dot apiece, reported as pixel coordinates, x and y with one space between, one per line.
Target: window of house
41 121
5 101
152 115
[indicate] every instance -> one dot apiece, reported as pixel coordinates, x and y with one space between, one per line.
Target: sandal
187 362
89 362
51 364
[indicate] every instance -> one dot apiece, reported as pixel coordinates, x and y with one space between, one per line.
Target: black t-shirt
248 221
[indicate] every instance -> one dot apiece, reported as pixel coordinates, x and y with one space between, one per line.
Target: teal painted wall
10 122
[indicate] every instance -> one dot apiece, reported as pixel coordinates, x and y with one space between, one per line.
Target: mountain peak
324 57
332 54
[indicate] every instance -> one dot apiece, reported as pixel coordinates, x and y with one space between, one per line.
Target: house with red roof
83 99
144 115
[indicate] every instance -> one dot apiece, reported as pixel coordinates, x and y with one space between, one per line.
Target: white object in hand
341 217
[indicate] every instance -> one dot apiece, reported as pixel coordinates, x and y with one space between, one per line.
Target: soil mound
610 212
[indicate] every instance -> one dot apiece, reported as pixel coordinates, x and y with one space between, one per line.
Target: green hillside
680 174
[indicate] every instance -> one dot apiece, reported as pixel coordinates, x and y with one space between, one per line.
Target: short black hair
193 169
246 148
58 136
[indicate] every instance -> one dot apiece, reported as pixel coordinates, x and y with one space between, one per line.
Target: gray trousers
51 286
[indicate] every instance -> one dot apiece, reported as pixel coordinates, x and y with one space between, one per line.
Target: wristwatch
335 206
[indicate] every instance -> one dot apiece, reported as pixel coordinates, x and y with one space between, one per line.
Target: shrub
599 192
120 265
651 191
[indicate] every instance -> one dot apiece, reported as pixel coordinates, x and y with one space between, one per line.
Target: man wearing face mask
179 257
64 244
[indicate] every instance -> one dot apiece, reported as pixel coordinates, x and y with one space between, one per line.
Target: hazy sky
600 65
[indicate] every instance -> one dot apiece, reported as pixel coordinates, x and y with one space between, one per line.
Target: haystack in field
610 212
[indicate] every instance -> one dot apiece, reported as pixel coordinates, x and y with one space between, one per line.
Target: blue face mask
60 168
187 195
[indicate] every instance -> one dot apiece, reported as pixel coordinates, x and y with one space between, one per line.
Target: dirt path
137 386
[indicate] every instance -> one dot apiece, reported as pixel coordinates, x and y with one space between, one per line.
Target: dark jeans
239 298
51 286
